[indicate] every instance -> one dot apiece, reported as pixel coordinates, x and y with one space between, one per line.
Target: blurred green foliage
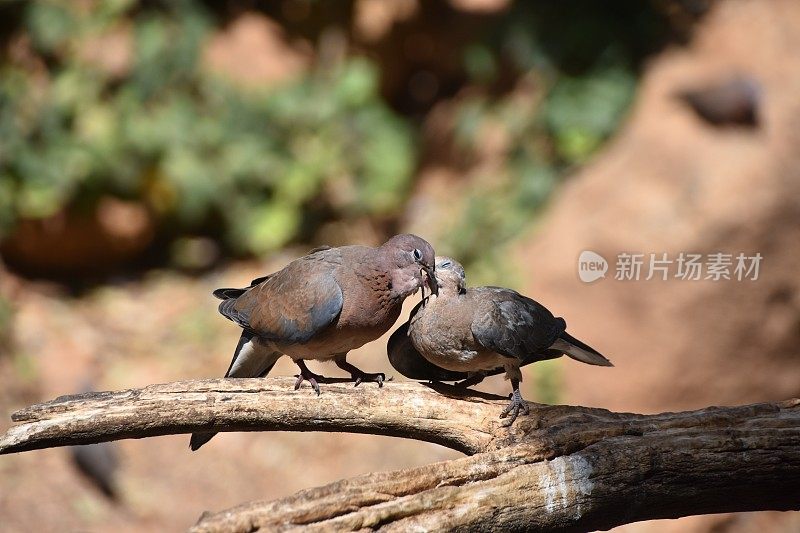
259 167
199 152
547 381
574 66
546 139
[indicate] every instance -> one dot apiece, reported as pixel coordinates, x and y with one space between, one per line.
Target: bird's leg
359 376
308 375
516 405
474 379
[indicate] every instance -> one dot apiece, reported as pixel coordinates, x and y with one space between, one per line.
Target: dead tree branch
462 420
563 467
582 470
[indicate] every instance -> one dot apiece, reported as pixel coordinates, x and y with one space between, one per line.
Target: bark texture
570 468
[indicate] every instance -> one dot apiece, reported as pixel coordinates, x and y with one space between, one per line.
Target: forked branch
571 468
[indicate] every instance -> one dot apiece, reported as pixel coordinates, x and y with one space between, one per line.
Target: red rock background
669 183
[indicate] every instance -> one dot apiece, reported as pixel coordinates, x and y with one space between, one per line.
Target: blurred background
152 151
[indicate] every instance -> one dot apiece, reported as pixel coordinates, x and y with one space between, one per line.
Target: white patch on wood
582 483
566 483
418 403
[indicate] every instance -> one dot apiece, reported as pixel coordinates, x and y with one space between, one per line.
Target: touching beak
430 272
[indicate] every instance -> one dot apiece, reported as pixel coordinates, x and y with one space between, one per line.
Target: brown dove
323 305
470 333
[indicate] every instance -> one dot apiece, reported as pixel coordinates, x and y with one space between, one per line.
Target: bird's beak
432 283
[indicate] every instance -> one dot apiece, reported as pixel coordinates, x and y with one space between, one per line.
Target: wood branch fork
566 468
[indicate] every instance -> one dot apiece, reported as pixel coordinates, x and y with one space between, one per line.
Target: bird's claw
359 376
313 380
516 405
378 378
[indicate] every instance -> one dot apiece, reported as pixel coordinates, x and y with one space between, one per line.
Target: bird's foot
362 377
359 376
516 405
307 375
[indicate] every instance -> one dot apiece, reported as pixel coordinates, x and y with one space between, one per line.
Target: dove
321 306
100 464
469 333
731 102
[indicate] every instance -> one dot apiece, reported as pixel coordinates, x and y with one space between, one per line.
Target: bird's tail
250 360
579 351
198 439
229 293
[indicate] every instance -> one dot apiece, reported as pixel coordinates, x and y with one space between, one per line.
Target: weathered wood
462 420
563 467
583 470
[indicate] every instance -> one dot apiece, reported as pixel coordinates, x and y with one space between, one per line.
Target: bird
466 334
731 102
99 463
321 306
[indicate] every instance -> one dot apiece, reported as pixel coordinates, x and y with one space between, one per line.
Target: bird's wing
229 310
410 363
513 325
291 305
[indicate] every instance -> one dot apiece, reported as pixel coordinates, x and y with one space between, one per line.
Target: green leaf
269 227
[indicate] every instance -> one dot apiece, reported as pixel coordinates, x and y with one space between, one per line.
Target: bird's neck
449 291
383 274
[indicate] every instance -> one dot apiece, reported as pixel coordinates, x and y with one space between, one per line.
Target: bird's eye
446 264
417 254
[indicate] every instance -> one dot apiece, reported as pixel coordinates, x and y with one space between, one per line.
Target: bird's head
450 275
413 260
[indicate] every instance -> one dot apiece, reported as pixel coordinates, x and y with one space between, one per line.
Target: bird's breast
451 354
370 307
448 343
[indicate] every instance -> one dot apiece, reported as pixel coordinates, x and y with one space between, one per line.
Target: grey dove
470 333
323 305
